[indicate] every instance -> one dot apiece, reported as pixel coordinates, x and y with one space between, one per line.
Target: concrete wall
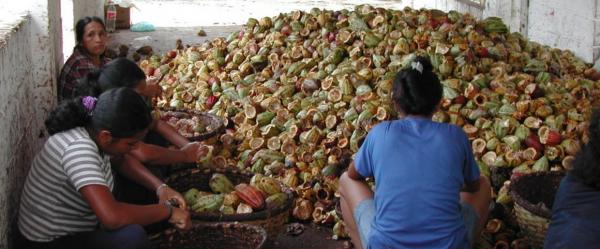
572 25
28 66
82 8
566 25
513 12
463 6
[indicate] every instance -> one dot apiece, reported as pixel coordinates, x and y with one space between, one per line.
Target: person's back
419 167
575 221
576 217
428 191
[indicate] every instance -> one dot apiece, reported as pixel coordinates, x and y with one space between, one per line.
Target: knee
343 183
133 237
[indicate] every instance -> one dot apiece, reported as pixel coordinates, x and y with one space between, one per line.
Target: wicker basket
272 220
214 124
534 195
211 235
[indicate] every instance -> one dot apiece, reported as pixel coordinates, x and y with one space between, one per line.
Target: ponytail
69 114
120 72
417 90
89 86
121 111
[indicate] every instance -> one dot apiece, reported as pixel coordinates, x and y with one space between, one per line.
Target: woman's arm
133 169
154 154
353 174
169 133
113 214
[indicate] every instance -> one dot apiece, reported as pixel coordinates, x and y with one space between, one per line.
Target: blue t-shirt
575 217
419 167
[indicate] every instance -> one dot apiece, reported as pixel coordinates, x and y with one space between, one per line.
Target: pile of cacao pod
302 89
186 126
262 192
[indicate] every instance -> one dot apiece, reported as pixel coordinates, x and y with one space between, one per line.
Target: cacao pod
208 203
243 208
191 195
226 209
220 184
231 199
269 185
250 195
276 200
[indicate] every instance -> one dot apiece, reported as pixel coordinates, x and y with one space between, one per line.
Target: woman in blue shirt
428 190
576 210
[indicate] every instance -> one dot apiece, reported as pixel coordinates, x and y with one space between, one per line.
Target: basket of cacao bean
211 235
534 195
230 194
192 124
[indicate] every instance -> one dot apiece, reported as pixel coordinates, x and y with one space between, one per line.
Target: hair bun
424 61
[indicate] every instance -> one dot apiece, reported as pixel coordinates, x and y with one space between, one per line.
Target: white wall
28 64
463 6
15 82
565 24
83 8
513 12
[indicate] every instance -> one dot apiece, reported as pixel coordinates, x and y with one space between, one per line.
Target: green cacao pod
220 184
208 203
276 200
269 185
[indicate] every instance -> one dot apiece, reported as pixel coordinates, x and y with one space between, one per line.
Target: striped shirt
51 205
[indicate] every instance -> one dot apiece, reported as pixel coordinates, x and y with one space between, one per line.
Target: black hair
586 166
120 72
80 27
417 91
121 111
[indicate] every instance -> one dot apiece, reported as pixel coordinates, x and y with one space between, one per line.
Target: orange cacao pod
250 195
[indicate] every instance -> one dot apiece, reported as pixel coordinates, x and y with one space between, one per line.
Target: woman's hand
181 219
167 194
194 151
153 90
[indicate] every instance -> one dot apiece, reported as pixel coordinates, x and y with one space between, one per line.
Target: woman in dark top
576 211
88 55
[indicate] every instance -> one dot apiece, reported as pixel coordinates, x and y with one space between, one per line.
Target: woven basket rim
213 119
525 204
260 215
225 225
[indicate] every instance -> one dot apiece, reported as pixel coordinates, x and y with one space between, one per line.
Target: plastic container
111 17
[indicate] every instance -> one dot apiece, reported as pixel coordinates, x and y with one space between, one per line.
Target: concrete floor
182 19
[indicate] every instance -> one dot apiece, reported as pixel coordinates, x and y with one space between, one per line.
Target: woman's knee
343 183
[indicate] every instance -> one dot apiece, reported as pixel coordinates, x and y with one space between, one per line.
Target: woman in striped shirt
152 151
67 199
